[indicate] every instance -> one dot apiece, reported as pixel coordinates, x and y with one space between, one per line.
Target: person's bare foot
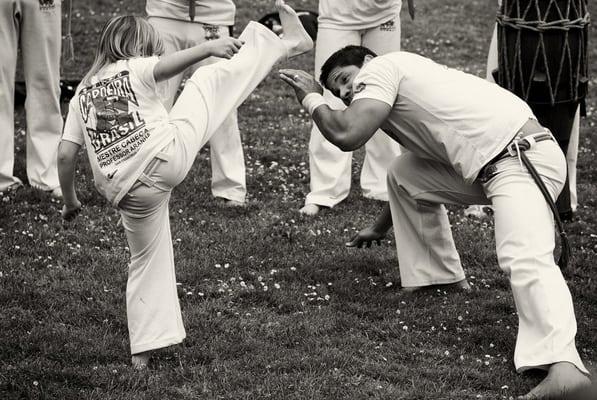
309 210
460 285
140 360
562 381
296 38
479 211
234 203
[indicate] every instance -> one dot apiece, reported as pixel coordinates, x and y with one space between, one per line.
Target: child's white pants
36 28
524 235
153 310
329 167
226 151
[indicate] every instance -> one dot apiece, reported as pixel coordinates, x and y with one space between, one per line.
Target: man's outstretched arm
347 129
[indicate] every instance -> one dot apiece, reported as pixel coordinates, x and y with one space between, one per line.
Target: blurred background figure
376 25
34 26
187 23
539 52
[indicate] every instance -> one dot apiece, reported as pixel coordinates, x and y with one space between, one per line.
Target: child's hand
70 211
224 47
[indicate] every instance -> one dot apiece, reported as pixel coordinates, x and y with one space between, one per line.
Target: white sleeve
73 131
143 70
379 79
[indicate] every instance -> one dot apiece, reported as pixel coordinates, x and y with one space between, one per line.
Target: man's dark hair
349 55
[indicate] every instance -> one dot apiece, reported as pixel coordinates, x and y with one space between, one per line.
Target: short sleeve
73 131
379 79
143 69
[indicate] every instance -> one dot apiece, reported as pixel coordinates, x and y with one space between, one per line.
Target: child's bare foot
140 360
296 39
562 382
309 209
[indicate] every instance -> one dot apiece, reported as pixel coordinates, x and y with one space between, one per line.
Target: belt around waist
531 132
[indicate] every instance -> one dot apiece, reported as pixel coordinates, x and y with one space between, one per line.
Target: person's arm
347 129
67 160
375 232
173 64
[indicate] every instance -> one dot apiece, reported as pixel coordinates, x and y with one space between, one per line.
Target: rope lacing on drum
581 18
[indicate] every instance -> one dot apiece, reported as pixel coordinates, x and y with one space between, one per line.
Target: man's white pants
572 153
37 30
153 310
226 151
329 167
524 234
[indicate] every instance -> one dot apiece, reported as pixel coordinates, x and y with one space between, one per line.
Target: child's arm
67 159
175 63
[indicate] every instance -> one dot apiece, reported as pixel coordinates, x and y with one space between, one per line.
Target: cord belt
516 148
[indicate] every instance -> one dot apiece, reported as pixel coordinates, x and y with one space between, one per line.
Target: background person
376 25
184 24
34 26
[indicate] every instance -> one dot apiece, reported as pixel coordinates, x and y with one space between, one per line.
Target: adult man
183 24
376 25
456 145
35 26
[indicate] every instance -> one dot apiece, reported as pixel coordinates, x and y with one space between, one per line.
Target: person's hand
70 211
302 82
365 237
224 47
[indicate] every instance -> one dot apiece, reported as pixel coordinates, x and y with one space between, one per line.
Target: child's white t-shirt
441 113
357 14
122 122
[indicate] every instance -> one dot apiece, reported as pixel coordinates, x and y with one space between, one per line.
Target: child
139 152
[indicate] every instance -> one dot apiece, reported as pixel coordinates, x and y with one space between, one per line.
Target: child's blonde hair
124 37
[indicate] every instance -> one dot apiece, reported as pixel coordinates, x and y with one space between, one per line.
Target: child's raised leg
215 90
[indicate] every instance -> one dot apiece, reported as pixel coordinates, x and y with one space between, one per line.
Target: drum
542 49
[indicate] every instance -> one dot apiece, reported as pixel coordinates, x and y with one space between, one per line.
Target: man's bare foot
296 38
460 285
234 203
309 209
562 381
140 360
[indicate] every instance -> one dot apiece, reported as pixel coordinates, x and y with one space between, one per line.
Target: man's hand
70 211
365 237
224 47
302 82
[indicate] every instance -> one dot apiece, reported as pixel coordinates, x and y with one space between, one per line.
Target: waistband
531 132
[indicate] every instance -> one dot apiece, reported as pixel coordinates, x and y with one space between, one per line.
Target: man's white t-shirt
356 14
210 12
121 120
441 113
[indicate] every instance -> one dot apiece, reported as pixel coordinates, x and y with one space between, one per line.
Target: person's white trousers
330 167
36 28
572 153
524 235
153 311
228 179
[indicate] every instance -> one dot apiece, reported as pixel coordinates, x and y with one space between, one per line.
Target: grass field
274 305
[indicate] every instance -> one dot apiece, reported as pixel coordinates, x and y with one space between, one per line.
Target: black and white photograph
298 199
